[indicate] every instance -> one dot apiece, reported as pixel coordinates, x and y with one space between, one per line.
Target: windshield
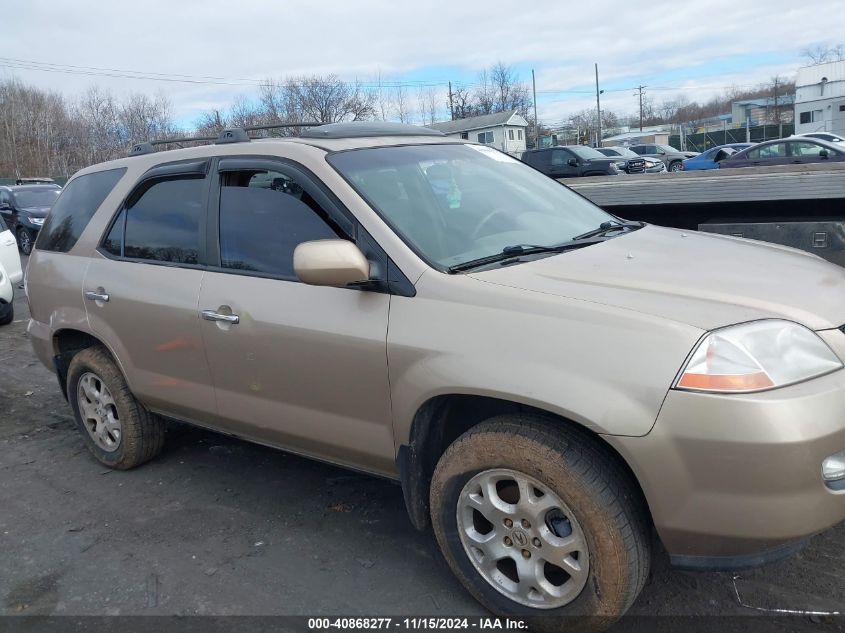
582 151
36 198
669 149
607 151
624 151
457 203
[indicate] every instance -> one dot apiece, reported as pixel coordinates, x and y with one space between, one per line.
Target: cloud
242 42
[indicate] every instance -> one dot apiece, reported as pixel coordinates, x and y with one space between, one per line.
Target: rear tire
117 429
565 469
9 316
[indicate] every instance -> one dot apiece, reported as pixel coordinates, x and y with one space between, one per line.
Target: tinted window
559 157
804 117
639 149
74 209
2 224
163 225
114 240
264 215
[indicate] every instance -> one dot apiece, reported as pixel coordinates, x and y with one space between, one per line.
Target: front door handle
211 315
96 296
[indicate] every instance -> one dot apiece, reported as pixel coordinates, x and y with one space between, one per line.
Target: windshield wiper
518 250
606 227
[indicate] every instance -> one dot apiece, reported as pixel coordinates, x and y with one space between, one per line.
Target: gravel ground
218 526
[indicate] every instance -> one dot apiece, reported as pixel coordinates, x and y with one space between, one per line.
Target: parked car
786 151
24 207
711 158
555 384
37 180
570 161
10 273
632 163
671 157
824 136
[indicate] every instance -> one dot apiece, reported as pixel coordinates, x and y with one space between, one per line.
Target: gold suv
548 382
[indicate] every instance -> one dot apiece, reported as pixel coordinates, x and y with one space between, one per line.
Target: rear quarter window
75 207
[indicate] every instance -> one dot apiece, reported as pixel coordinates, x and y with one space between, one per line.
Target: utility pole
598 107
640 89
451 105
536 122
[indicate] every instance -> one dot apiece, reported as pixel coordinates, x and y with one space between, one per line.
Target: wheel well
66 343
443 419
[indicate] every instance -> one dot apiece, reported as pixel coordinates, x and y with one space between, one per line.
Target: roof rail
229 135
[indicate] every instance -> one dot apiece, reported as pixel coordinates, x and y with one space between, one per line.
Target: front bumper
734 480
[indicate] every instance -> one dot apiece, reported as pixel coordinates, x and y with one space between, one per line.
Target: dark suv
571 161
24 208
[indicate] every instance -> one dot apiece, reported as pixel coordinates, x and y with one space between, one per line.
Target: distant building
636 137
506 131
762 111
820 98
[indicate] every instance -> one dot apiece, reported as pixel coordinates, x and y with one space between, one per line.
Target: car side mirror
661 152
4 206
335 263
572 162
823 153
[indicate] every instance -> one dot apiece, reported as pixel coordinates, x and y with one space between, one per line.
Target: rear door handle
96 296
211 315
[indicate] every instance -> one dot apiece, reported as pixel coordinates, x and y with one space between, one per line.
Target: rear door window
163 224
75 207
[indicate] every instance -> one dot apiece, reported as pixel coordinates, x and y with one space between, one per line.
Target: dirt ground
222 527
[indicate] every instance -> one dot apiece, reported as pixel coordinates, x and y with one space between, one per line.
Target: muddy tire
553 501
117 429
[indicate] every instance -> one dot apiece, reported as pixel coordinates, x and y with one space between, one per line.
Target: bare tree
402 105
428 100
327 99
822 54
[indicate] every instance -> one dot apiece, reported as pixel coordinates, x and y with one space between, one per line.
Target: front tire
538 521
25 240
676 167
117 429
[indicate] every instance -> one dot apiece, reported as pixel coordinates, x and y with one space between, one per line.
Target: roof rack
229 135
354 129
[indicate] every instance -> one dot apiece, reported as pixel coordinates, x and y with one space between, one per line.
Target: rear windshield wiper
518 250
606 227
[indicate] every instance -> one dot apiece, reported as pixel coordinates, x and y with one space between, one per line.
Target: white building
506 131
820 98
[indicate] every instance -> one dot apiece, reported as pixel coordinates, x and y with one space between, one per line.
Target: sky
205 54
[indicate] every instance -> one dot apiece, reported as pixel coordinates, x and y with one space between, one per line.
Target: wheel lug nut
536 542
508 523
526 553
525 524
508 541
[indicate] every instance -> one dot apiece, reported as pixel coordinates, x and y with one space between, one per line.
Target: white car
10 273
824 136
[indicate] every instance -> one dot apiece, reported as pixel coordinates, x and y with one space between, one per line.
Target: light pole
598 107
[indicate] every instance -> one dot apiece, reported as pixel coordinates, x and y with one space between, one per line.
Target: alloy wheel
99 412
522 538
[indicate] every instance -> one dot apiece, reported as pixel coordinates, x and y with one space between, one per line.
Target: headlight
613 167
620 165
756 356
37 221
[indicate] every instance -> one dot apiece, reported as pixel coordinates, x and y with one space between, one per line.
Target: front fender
608 369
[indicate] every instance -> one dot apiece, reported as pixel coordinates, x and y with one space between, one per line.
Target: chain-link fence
702 141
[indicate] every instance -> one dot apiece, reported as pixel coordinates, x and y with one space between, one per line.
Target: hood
36 212
704 280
